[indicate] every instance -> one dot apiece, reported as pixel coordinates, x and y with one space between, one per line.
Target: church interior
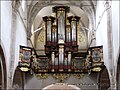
60 45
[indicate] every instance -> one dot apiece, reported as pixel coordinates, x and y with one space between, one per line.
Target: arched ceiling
47 11
35 8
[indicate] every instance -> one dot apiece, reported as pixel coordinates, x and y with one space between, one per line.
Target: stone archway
34 9
3 72
118 73
61 86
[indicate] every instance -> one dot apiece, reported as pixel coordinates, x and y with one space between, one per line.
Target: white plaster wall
101 33
6 20
20 38
101 30
6 29
115 28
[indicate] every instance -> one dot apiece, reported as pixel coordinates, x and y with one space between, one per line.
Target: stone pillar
15 7
110 46
112 82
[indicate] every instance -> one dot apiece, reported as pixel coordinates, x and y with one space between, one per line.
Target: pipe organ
61 38
61 48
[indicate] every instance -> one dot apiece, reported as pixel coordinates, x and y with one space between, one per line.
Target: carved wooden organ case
61 48
61 38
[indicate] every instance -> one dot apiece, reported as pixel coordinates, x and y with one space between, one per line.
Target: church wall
116 35
116 29
101 30
20 39
107 34
6 19
12 34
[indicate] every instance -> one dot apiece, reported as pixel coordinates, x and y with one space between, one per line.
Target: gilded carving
61 77
81 37
79 76
41 37
41 76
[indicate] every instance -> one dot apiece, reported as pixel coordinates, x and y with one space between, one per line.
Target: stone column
15 7
110 46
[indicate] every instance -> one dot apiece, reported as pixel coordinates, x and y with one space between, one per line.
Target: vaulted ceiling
47 11
39 8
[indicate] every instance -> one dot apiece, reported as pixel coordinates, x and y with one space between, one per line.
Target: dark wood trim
18 78
101 84
22 74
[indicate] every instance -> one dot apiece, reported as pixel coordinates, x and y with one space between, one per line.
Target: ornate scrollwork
81 38
79 76
41 76
41 37
97 54
61 77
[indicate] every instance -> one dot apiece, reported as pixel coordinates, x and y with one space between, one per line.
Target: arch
118 73
61 86
23 3
18 79
38 6
72 8
3 69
